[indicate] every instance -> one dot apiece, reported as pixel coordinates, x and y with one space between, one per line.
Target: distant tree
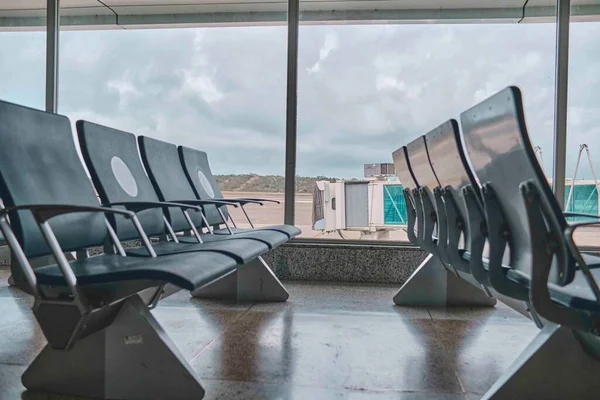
266 183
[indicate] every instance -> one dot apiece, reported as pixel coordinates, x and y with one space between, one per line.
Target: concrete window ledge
345 263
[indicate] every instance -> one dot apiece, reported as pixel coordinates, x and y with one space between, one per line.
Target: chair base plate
253 281
133 358
432 285
553 366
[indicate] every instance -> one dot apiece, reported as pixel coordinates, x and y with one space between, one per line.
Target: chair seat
188 271
271 238
576 294
241 249
290 230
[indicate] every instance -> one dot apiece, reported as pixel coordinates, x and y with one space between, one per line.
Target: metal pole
566 207
292 111
52 28
563 13
538 151
587 150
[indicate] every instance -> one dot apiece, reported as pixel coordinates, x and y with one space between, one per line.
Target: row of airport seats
103 341
480 205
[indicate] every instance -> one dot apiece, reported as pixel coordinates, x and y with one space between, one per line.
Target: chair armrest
242 202
43 212
573 226
570 240
203 202
575 252
137 206
260 199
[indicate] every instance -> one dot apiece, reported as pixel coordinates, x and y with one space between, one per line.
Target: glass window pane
366 90
23 62
583 126
23 66
219 90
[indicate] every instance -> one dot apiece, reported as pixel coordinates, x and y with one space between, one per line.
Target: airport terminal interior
324 199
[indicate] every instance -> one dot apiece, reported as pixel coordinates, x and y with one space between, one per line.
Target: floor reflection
328 341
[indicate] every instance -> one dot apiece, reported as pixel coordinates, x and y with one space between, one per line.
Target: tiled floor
329 341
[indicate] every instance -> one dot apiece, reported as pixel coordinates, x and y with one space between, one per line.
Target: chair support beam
432 285
132 358
253 281
553 366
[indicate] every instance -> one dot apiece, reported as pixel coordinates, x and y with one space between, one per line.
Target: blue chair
103 342
197 169
437 281
533 256
118 174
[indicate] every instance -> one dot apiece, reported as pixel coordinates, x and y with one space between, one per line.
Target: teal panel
583 200
394 207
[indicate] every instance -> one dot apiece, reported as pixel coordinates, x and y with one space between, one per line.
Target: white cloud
362 90
330 44
127 92
389 82
203 86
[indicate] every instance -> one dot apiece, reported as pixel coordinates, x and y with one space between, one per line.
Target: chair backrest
164 169
409 183
403 169
197 169
426 204
450 164
500 151
39 164
418 158
112 158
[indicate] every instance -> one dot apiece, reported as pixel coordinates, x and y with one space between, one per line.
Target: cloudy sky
363 90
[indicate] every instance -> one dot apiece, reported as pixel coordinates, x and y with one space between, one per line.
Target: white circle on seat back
124 176
205 184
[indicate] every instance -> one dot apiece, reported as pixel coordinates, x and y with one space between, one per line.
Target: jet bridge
372 207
